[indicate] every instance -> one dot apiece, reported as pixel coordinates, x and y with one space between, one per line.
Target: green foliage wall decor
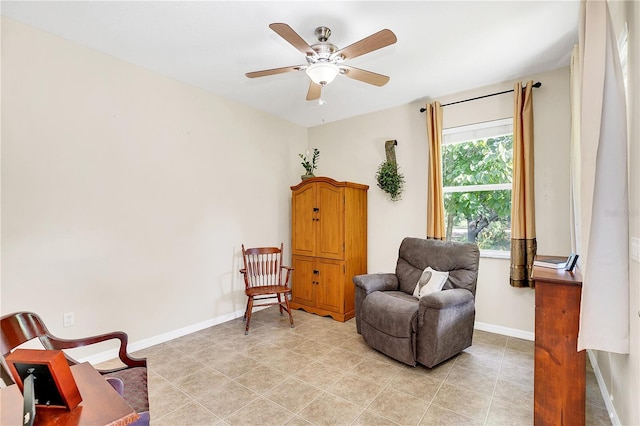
389 179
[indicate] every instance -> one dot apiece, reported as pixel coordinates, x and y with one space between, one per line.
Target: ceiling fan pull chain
321 100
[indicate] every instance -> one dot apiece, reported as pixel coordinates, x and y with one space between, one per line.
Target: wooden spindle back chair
265 277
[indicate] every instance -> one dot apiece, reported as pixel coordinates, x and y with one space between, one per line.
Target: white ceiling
443 47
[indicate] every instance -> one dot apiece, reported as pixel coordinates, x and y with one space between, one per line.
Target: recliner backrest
460 259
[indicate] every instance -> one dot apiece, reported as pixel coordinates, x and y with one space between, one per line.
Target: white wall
352 150
126 195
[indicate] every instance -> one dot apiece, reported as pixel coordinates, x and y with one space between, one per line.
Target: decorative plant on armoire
389 179
309 164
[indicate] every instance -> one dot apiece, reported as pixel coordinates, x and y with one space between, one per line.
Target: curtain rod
536 85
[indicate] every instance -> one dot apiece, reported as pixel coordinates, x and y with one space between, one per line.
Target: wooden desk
101 404
559 374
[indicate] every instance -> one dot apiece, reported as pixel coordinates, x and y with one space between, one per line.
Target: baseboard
165 337
606 397
505 331
161 338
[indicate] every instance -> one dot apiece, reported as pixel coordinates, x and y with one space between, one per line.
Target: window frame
471 133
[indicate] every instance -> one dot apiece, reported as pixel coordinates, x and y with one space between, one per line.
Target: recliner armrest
445 325
369 283
446 298
376 282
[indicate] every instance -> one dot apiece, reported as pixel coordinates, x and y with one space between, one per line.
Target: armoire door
303 280
330 223
329 290
303 221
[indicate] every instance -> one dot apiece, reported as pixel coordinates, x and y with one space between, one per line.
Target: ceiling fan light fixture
322 73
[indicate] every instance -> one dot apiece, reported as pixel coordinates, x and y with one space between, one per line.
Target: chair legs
286 301
280 304
246 309
247 314
283 305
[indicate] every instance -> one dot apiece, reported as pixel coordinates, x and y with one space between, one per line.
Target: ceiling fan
325 61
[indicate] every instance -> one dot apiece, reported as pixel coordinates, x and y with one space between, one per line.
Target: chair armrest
245 278
286 278
51 342
376 282
445 298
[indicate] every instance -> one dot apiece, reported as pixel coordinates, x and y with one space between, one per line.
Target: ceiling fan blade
375 41
315 91
287 33
365 76
274 71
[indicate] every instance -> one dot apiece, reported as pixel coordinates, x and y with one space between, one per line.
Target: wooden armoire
329 245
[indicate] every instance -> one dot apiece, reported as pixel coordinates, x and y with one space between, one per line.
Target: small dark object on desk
571 262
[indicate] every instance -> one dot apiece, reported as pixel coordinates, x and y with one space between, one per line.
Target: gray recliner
428 330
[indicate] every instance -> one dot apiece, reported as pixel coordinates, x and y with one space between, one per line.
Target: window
623 47
477 167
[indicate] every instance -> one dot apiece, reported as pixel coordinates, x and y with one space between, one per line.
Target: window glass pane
475 131
481 216
479 162
476 175
623 53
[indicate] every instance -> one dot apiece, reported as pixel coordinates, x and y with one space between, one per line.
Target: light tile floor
322 373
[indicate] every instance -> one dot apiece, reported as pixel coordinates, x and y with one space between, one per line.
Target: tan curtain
435 200
523 221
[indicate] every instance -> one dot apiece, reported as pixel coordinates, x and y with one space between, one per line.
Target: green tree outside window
477 191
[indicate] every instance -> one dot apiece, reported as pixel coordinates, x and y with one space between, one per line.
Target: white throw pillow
430 281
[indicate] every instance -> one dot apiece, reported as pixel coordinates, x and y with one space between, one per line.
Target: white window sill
495 254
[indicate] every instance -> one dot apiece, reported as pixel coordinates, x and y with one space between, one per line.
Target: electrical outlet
68 319
635 249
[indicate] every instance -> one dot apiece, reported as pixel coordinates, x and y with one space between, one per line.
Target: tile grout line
438 390
495 384
366 407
